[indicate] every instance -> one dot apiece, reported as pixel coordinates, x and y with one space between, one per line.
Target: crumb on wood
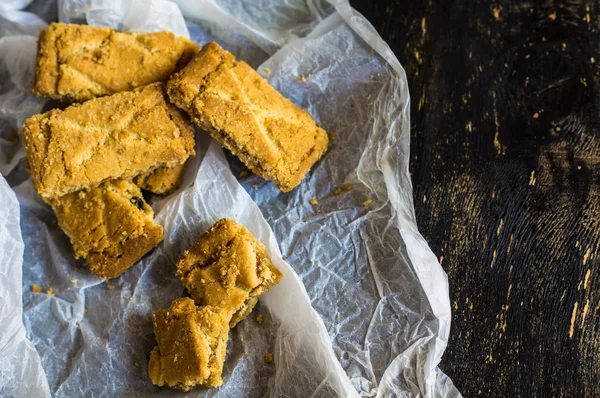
268 357
110 287
259 319
268 71
367 202
36 289
137 364
337 191
332 135
314 201
50 292
348 187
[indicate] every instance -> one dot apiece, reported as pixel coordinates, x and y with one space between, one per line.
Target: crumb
268 71
348 187
536 115
332 135
36 289
303 79
110 287
338 191
85 310
14 137
259 319
592 60
73 280
268 357
243 173
371 76
367 202
314 201
369 97
255 186
50 292
137 364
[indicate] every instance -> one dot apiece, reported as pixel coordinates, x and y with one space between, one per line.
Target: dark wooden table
506 172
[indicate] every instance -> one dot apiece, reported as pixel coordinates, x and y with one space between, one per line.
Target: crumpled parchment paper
363 308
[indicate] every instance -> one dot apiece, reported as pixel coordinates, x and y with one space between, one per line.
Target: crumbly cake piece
81 62
192 342
229 268
109 225
161 181
120 136
276 139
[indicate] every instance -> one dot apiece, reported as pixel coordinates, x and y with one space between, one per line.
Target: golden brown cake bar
109 225
80 62
192 342
228 268
161 181
120 136
272 136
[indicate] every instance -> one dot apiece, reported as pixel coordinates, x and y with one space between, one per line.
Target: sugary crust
192 342
81 62
273 137
120 136
229 268
109 225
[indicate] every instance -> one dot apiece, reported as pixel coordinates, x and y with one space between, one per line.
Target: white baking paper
363 308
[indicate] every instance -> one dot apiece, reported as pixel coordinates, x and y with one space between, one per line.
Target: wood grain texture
505 159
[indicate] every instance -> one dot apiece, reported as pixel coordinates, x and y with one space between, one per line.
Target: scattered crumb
371 76
536 115
85 310
14 137
348 187
110 287
268 357
268 71
332 135
259 319
50 292
338 191
36 289
552 16
314 201
367 202
303 79
593 60
369 97
73 280
243 173
255 186
137 364
557 128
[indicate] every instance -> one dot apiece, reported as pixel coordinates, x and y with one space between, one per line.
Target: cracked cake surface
192 343
229 268
76 63
275 138
109 225
119 136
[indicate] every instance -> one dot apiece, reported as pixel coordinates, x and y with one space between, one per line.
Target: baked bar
272 136
120 136
109 225
161 181
228 268
192 342
81 62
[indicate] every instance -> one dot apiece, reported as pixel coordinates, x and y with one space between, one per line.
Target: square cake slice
80 62
120 136
192 343
276 139
109 225
229 268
